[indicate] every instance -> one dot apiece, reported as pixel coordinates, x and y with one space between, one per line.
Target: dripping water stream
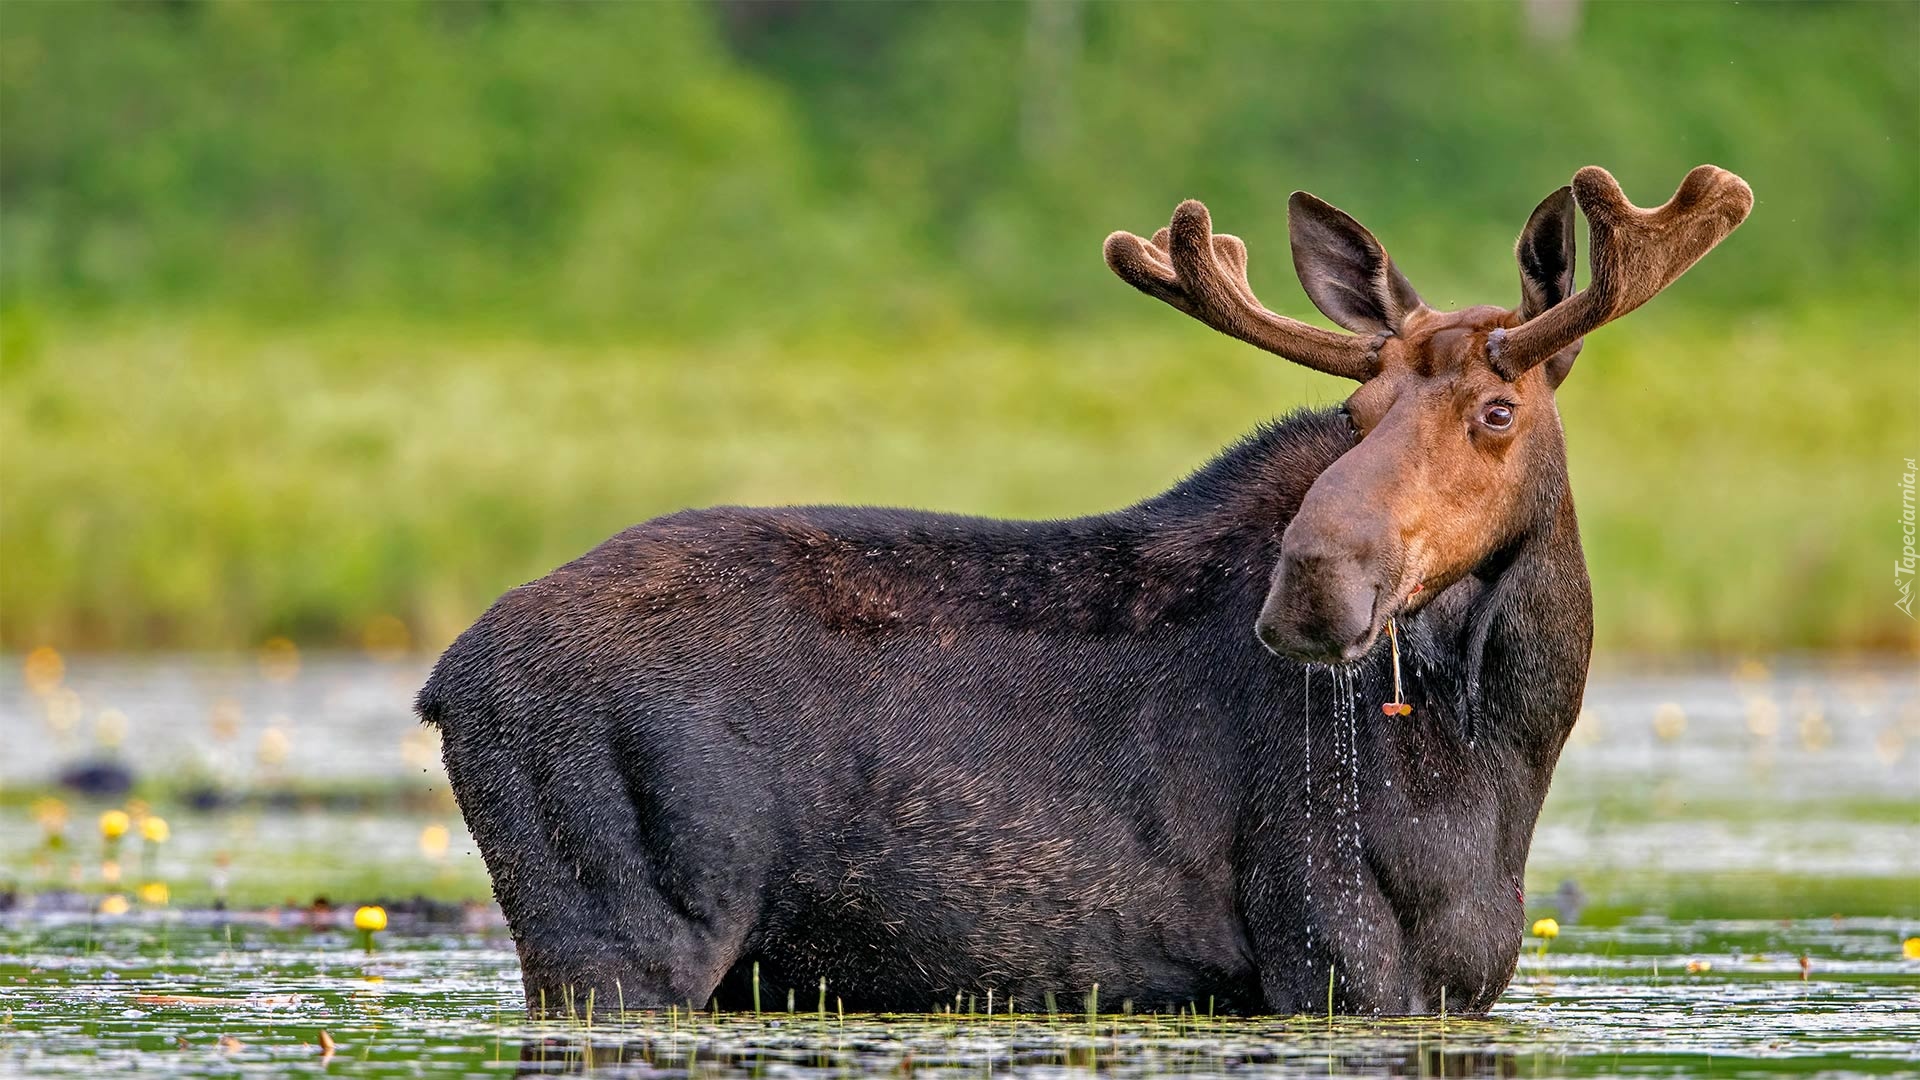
1353 803
1340 803
1307 908
1350 903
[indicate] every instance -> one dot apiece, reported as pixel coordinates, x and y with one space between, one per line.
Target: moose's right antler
1636 253
1205 276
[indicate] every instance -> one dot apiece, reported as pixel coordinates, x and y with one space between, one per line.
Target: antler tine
1205 275
1636 253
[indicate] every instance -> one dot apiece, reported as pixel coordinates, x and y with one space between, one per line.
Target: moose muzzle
1341 557
1323 601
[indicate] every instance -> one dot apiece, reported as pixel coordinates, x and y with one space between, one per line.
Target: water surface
1733 857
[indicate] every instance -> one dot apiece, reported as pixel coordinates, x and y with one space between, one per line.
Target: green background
314 317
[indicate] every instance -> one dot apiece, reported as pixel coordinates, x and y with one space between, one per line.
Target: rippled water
1707 830
180 995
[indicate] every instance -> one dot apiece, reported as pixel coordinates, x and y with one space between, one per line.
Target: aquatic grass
1616 971
374 521
1592 1014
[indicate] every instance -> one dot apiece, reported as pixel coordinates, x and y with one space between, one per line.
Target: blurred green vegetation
313 314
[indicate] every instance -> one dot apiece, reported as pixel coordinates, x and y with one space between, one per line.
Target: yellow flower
1695 967
386 637
114 824
434 840
1669 722
155 830
51 813
45 669
370 918
275 745
1546 928
110 728
114 905
155 893
1910 948
279 660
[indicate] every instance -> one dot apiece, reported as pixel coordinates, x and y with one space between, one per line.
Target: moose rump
911 755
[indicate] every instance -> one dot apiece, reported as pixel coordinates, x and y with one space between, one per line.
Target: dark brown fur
919 755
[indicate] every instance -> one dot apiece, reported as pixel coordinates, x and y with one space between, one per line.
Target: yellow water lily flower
434 841
1546 928
155 829
370 918
115 905
1910 948
155 893
51 813
114 824
45 670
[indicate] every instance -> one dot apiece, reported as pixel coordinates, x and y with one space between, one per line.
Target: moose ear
1546 251
1344 269
1560 364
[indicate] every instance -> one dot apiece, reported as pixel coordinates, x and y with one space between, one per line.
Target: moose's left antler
1636 253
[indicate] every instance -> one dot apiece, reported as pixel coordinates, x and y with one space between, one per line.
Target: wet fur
918 755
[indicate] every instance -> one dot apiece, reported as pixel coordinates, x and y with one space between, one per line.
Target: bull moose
917 755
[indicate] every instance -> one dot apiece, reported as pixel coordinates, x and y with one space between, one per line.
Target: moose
1274 739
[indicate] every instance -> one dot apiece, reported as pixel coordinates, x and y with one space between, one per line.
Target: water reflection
161 994
1026 1052
1682 799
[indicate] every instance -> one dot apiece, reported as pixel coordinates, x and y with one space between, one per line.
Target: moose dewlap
916 755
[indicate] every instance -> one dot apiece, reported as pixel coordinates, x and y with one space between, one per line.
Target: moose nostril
1269 635
1320 605
1358 647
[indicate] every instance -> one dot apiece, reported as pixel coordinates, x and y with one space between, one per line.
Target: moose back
919 755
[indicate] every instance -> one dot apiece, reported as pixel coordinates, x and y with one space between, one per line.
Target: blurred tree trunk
1046 103
1552 20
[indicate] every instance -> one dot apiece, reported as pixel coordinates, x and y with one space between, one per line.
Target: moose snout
1320 607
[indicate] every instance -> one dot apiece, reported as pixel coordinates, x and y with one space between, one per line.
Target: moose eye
1498 416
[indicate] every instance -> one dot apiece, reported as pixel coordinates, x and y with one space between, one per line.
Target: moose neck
1498 658
1508 645
1232 511
1401 859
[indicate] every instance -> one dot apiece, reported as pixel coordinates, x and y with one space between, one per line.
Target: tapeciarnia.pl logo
1903 566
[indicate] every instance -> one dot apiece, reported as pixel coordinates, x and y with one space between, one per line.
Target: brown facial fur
1431 491
1438 483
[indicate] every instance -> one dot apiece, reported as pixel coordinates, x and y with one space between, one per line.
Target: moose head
1458 450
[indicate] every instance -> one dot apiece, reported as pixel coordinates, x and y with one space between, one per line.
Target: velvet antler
1636 253
1205 276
